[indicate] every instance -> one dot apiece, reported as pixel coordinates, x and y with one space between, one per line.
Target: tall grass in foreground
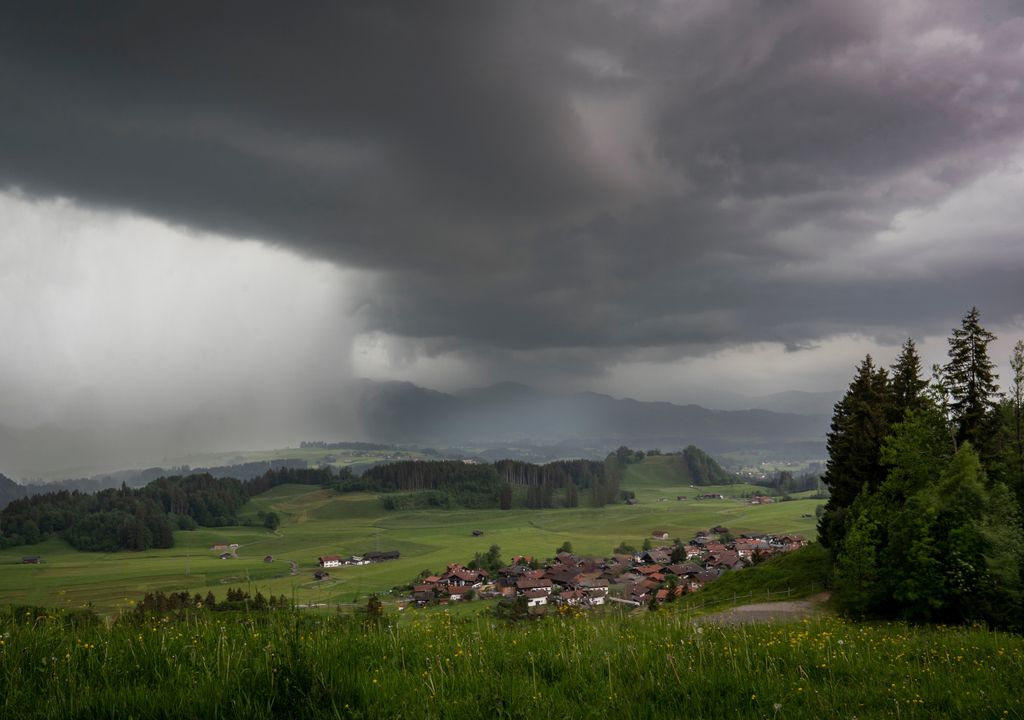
654 665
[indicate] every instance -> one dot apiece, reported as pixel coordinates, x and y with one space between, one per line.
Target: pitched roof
649 569
532 584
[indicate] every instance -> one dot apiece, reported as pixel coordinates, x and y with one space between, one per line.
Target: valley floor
319 522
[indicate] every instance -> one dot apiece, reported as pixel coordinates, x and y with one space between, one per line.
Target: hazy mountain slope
402 412
797 401
9 490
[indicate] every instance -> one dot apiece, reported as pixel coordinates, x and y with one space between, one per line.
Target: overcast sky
207 202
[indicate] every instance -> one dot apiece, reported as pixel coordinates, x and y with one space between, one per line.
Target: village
652 575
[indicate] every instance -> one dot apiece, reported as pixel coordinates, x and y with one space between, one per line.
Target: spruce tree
971 379
860 423
908 388
1013 432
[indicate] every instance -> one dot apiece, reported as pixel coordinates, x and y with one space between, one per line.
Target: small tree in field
374 608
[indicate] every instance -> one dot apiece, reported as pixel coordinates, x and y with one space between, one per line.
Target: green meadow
321 522
643 666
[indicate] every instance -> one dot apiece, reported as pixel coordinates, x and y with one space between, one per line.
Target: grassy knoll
788 577
651 665
317 522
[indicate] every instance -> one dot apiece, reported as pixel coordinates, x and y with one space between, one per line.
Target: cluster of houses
667 572
659 574
566 580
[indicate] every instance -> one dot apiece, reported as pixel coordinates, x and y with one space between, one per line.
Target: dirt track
786 610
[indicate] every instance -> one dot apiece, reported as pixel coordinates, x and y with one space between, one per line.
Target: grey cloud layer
536 177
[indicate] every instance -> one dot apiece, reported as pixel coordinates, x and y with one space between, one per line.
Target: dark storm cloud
536 177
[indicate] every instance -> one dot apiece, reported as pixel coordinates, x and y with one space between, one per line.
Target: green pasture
318 522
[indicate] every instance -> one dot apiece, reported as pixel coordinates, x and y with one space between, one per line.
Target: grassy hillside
318 522
798 574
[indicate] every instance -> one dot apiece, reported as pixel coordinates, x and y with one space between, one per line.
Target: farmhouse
535 598
527 586
456 575
659 534
329 561
458 592
31 560
596 591
571 597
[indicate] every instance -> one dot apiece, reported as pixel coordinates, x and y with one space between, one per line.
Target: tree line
182 603
926 478
503 484
141 518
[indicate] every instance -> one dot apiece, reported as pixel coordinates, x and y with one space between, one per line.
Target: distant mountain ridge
493 422
508 412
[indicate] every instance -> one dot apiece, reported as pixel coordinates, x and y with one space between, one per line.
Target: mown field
317 522
642 666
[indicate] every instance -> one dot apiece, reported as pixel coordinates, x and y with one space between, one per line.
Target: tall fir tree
1014 420
860 423
908 387
971 379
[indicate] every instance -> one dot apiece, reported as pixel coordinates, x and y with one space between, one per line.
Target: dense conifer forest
926 480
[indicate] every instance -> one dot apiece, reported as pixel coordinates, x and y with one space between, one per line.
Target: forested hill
504 484
698 468
508 483
10 490
140 518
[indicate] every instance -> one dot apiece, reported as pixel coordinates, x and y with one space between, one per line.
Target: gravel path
785 610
